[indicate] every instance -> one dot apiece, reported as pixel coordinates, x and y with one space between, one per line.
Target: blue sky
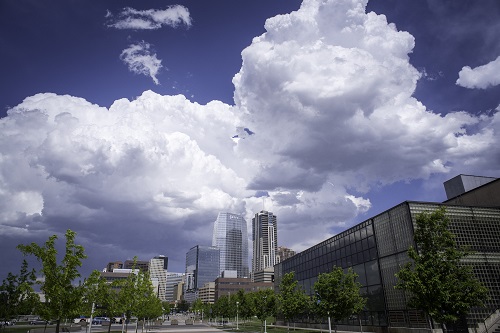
124 120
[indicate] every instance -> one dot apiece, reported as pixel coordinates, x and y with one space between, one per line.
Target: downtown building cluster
218 269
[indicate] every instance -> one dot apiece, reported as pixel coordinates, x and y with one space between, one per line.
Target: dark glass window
372 273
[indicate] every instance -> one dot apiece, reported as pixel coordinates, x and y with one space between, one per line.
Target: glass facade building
230 236
202 266
376 249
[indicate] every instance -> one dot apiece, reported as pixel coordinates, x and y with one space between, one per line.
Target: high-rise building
231 238
158 271
265 241
202 266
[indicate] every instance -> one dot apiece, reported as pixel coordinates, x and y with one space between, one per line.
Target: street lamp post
265 314
237 310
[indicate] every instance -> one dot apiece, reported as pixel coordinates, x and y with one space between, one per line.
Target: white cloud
130 18
140 60
326 92
480 77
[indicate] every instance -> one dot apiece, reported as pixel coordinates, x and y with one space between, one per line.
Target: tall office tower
231 238
265 241
158 271
202 266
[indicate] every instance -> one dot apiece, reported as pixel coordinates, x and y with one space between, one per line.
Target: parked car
40 322
100 321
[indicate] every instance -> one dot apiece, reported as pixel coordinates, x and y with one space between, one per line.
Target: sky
134 123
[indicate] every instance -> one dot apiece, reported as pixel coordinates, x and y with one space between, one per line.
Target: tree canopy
17 295
292 300
438 281
62 298
338 294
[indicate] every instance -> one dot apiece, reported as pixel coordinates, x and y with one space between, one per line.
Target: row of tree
337 296
64 299
437 281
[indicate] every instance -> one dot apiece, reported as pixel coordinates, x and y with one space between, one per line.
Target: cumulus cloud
480 77
323 114
150 19
140 60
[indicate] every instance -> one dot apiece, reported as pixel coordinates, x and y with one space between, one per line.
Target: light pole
237 307
265 314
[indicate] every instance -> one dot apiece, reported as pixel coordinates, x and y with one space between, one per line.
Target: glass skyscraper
265 241
231 238
202 266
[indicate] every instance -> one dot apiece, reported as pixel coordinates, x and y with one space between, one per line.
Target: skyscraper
202 266
231 238
158 271
265 240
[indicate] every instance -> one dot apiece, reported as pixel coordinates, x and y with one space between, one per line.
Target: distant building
231 238
207 293
114 265
173 279
158 271
265 275
231 286
139 264
202 266
265 241
284 253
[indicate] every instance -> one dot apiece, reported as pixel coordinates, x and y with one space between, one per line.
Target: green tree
197 306
292 300
264 301
136 296
182 306
246 306
62 298
166 307
438 282
221 307
97 291
338 295
148 303
17 295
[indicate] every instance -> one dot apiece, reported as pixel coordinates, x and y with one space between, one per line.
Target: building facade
158 271
173 279
284 253
207 293
143 265
231 286
230 236
265 240
202 266
377 248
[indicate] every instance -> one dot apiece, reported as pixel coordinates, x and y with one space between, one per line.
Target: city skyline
135 123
